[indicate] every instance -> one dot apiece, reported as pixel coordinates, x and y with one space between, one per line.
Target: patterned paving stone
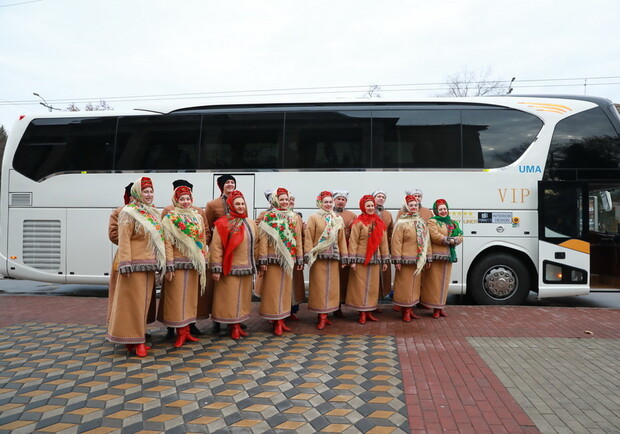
563 384
66 378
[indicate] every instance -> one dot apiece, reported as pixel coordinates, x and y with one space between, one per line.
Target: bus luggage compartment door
564 252
36 244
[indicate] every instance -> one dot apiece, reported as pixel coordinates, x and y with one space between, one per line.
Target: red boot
285 327
188 335
277 327
442 313
182 333
235 331
362 319
406 314
322 321
141 350
436 313
371 317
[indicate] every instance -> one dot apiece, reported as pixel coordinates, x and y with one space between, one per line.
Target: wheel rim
500 282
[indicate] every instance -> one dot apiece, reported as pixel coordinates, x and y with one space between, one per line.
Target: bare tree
100 106
471 83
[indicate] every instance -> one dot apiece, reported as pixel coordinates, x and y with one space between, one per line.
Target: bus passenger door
245 184
564 249
604 236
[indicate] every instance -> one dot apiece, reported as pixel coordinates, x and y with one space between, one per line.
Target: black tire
499 279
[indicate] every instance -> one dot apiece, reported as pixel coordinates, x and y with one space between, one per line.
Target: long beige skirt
232 299
128 316
407 286
363 289
436 281
205 301
178 301
276 294
324 286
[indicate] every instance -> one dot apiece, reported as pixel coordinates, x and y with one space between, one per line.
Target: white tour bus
533 180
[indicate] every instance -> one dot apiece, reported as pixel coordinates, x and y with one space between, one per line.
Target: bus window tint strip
386 137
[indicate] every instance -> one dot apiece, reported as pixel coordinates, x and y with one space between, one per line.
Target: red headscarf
182 190
409 198
377 227
230 228
145 183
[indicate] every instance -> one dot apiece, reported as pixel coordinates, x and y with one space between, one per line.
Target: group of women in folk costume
176 244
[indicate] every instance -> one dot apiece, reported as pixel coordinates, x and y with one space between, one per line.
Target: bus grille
20 199
41 244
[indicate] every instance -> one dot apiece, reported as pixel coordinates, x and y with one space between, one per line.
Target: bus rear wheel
499 279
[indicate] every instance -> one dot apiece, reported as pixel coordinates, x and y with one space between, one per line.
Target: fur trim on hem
124 269
144 267
438 257
360 260
169 268
184 266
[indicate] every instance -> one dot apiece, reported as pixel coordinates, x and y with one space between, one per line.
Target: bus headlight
554 272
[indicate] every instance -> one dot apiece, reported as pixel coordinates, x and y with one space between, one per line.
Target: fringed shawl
281 228
329 236
416 222
184 229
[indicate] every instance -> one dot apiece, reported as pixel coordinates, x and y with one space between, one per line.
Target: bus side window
242 141
148 143
51 146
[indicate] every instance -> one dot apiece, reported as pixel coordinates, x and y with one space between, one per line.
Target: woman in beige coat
326 250
411 253
445 235
141 252
186 252
369 256
233 264
280 251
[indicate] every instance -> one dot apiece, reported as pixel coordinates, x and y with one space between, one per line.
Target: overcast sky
122 51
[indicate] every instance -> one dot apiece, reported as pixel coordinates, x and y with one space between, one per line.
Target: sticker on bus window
495 217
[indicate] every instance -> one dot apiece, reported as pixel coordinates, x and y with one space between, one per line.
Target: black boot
170 334
215 327
194 330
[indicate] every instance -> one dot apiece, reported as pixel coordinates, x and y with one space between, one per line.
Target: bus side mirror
606 200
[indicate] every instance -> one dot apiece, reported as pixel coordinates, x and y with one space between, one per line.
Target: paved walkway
482 369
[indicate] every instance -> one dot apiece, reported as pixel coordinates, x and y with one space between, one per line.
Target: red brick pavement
448 387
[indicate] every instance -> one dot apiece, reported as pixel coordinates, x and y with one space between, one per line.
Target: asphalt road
28 287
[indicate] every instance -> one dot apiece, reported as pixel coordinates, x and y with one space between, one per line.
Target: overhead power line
350 89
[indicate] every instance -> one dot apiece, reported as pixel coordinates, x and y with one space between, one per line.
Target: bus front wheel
499 279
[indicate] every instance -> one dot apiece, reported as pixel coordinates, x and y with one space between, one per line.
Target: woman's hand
397 266
216 276
169 275
427 265
384 267
353 265
300 267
